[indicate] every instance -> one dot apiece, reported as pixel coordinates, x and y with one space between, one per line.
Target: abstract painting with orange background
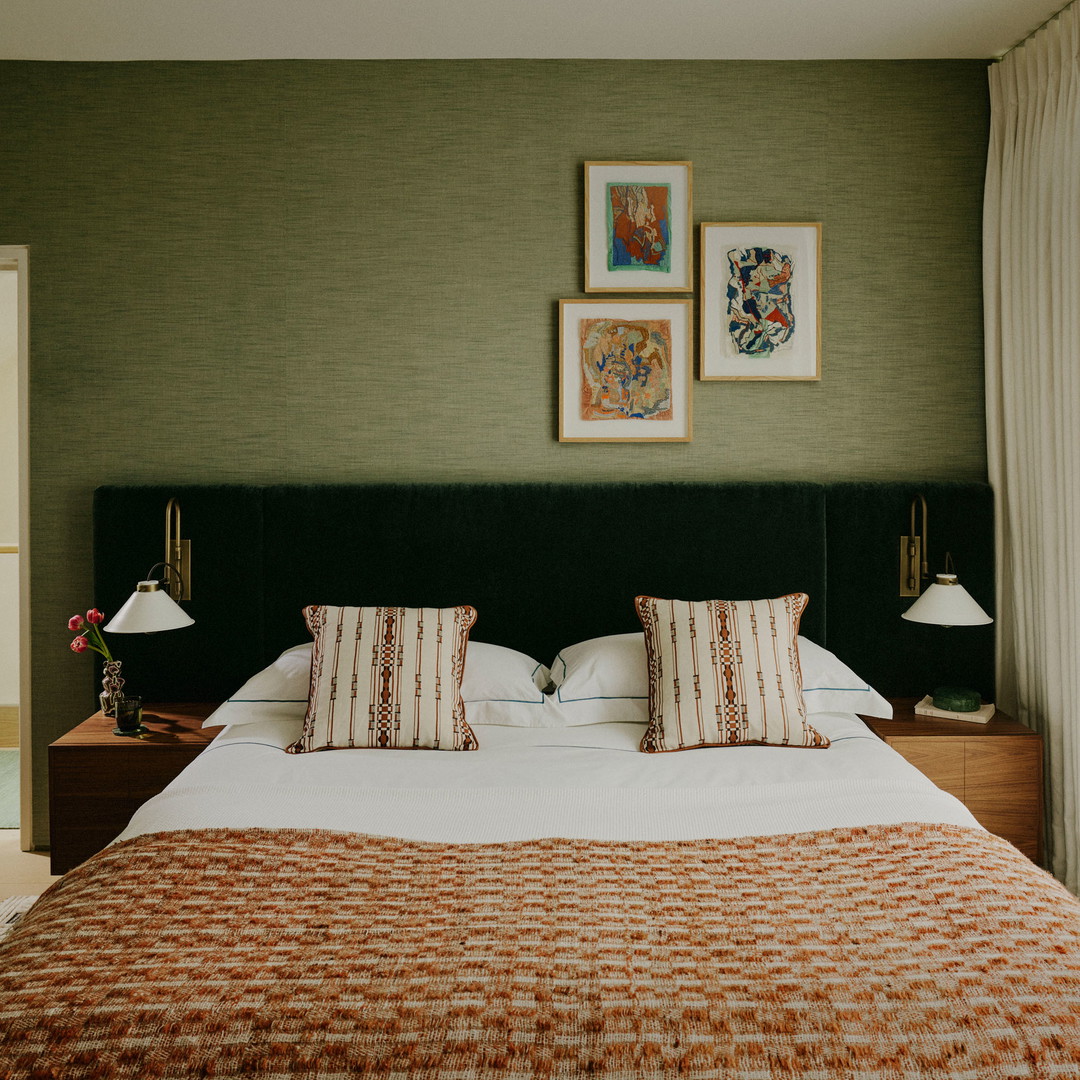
625 369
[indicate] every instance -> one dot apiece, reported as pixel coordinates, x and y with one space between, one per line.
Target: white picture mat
597 275
571 427
719 357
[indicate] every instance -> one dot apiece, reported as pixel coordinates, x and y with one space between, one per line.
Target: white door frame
17 258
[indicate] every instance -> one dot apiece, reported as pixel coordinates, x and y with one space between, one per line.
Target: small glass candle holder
129 716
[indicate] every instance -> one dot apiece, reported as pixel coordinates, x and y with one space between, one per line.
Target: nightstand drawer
102 773
1003 788
944 764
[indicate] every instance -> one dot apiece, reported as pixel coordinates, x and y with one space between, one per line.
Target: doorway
15 809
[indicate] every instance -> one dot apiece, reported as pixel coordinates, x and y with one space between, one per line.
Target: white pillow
278 692
504 688
606 680
829 685
500 686
602 681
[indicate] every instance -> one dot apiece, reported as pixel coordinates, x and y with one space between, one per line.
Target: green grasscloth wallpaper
294 271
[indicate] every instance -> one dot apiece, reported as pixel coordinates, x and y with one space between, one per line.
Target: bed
554 902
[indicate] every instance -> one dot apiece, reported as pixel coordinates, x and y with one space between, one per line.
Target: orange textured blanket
887 952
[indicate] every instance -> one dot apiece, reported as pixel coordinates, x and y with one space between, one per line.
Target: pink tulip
79 644
94 616
75 623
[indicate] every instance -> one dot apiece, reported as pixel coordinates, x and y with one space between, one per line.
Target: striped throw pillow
724 673
387 678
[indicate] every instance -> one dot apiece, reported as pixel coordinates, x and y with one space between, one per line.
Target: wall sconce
177 577
948 603
153 606
149 610
914 568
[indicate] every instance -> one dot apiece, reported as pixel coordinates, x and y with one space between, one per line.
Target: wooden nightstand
994 769
97 780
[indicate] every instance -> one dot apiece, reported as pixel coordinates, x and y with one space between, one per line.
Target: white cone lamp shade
947 603
149 610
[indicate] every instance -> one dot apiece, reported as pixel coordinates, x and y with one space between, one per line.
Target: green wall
300 270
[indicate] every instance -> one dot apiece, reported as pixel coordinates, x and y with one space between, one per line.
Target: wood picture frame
625 370
639 233
760 300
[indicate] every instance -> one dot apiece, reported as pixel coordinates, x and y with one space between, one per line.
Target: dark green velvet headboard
545 565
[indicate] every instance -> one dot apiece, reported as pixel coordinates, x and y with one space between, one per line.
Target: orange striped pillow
724 673
387 678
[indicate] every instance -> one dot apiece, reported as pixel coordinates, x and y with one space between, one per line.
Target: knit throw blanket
886 952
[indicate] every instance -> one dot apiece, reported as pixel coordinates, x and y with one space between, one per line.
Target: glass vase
112 687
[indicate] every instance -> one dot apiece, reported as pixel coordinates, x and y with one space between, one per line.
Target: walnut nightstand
97 780
994 769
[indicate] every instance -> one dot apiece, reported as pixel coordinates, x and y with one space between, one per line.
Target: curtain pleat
1031 253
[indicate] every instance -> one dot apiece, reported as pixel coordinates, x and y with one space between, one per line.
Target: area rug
11 910
9 789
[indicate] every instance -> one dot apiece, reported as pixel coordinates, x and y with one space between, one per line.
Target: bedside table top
906 721
176 724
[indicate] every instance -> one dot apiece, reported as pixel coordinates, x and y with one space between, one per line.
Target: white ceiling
636 31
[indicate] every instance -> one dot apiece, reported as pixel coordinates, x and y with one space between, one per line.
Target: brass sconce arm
177 563
914 562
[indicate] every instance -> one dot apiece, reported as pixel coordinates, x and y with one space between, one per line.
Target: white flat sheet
524 783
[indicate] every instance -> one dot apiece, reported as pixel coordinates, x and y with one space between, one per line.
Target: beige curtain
1031 246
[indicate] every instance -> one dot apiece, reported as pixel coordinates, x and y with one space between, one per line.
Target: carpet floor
9 789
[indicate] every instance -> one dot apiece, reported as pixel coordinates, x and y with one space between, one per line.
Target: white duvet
523 783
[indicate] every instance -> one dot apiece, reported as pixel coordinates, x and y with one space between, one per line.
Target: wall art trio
625 367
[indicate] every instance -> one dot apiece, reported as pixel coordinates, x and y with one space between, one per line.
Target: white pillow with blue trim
606 680
500 686
278 692
602 681
829 685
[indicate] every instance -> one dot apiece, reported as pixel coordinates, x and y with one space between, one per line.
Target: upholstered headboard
545 565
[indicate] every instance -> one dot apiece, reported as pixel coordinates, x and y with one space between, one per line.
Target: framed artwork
638 226
625 370
760 300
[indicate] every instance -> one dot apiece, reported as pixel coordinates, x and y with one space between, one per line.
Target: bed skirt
888 951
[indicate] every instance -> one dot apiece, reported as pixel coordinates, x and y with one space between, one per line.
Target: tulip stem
96 642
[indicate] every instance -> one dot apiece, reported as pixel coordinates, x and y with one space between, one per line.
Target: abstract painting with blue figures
759 293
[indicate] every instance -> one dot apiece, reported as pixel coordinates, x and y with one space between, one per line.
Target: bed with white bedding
563 895
586 782
566 762
556 904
